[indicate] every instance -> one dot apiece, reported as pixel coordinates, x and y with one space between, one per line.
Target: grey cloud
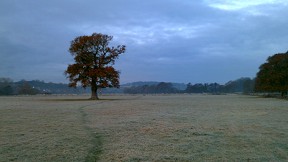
167 40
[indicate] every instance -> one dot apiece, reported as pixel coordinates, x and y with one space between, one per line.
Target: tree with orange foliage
93 63
273 75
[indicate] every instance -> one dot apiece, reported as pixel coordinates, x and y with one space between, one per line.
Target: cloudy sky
167 40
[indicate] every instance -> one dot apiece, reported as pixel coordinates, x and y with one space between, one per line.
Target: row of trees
23 87
242 85
8 87
152 89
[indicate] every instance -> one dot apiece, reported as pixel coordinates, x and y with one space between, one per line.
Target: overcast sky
167 40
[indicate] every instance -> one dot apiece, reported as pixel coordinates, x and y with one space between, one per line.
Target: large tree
273 74
93 62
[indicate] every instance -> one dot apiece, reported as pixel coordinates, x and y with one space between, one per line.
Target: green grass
143 128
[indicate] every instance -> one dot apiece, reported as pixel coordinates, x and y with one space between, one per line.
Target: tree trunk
94 94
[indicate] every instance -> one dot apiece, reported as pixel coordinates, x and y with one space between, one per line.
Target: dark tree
165 88
245 85
248 86
196 88
152 89
93 62
27 89
273 75
6 86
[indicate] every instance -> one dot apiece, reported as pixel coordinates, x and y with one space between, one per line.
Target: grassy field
143 128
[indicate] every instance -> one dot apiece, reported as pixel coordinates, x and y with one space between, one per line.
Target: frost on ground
144 128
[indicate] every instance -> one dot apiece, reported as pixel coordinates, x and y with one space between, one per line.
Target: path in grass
95 140
96 149
96 134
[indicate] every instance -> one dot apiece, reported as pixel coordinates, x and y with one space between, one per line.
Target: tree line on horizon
23 87
242 85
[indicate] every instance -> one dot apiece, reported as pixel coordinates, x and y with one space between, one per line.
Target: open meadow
143 128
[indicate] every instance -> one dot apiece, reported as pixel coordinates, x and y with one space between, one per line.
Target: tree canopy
273 74
93 62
